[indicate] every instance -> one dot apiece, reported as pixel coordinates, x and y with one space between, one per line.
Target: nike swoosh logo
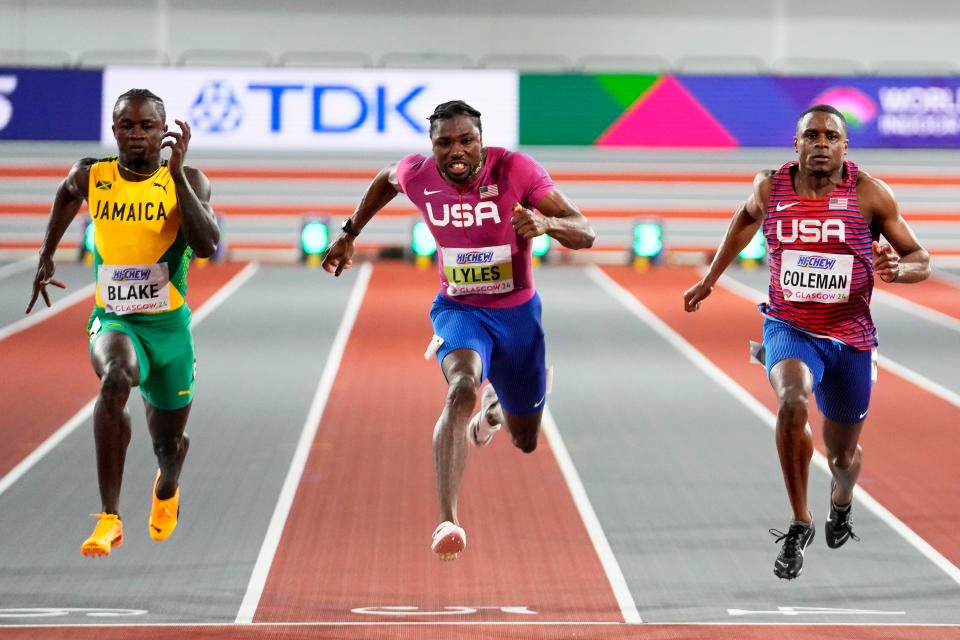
540 402
782 564
784 206
430 193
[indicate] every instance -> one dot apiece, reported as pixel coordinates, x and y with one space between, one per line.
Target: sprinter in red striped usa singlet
820 251
822 219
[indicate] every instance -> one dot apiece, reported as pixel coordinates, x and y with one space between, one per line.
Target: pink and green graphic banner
678 111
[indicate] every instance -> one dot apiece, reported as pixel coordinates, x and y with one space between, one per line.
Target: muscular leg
170 443
463 370
845 457
115 362
793 384
524 430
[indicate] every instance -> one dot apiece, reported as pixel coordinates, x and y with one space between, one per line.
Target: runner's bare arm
561 220
197 221
70 195
743 226
379 193
903 260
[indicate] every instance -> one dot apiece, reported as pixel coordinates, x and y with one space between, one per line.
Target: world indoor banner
663 111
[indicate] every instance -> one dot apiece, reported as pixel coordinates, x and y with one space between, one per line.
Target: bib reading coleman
482 261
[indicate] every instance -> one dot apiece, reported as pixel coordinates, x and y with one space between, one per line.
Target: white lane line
271 541
920 380
81 416
224 292
628 608
917 310
45 312
761 411
493 623
24 264
46 446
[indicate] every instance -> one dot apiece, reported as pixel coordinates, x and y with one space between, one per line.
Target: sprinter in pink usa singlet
483 206
482 260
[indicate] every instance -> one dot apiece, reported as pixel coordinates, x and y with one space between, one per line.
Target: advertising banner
49 104
633 110
338 109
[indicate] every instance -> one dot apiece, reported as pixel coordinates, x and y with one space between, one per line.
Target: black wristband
348 229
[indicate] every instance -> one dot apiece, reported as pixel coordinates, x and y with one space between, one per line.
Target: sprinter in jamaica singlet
822 219
483 206
149 217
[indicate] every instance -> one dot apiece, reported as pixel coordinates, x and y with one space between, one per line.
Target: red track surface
934 293
351 541
52 378
479 632
910 436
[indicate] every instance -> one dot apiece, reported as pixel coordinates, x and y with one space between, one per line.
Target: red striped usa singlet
821 260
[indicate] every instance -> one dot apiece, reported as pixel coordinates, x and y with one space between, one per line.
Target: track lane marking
271 541
618 583
23 264
917 310
368 494
46 313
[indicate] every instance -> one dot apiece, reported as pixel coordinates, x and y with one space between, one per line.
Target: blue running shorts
510 344
843 377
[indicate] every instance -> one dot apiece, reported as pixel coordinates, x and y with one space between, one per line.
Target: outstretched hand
177 142
339 255
886 262
695 295
527 223
44 277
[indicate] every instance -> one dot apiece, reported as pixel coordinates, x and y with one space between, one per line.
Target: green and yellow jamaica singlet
140 255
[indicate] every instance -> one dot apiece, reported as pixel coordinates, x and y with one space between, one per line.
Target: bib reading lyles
134 288
486 270
814 277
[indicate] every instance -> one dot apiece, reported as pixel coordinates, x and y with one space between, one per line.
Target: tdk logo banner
340 109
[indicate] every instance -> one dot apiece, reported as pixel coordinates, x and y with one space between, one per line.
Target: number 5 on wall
7 86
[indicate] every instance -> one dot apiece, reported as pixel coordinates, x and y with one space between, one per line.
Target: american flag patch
489 191
837 203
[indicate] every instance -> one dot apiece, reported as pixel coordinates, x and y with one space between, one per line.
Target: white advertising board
323 109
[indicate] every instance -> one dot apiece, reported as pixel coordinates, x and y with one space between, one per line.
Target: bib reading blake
134 288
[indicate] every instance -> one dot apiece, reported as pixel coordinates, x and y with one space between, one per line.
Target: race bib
806 276
485 270
134 288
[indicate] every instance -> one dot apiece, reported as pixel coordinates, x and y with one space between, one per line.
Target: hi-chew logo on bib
484 270
134 288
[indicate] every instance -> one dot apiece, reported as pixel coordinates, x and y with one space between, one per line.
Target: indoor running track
308 495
